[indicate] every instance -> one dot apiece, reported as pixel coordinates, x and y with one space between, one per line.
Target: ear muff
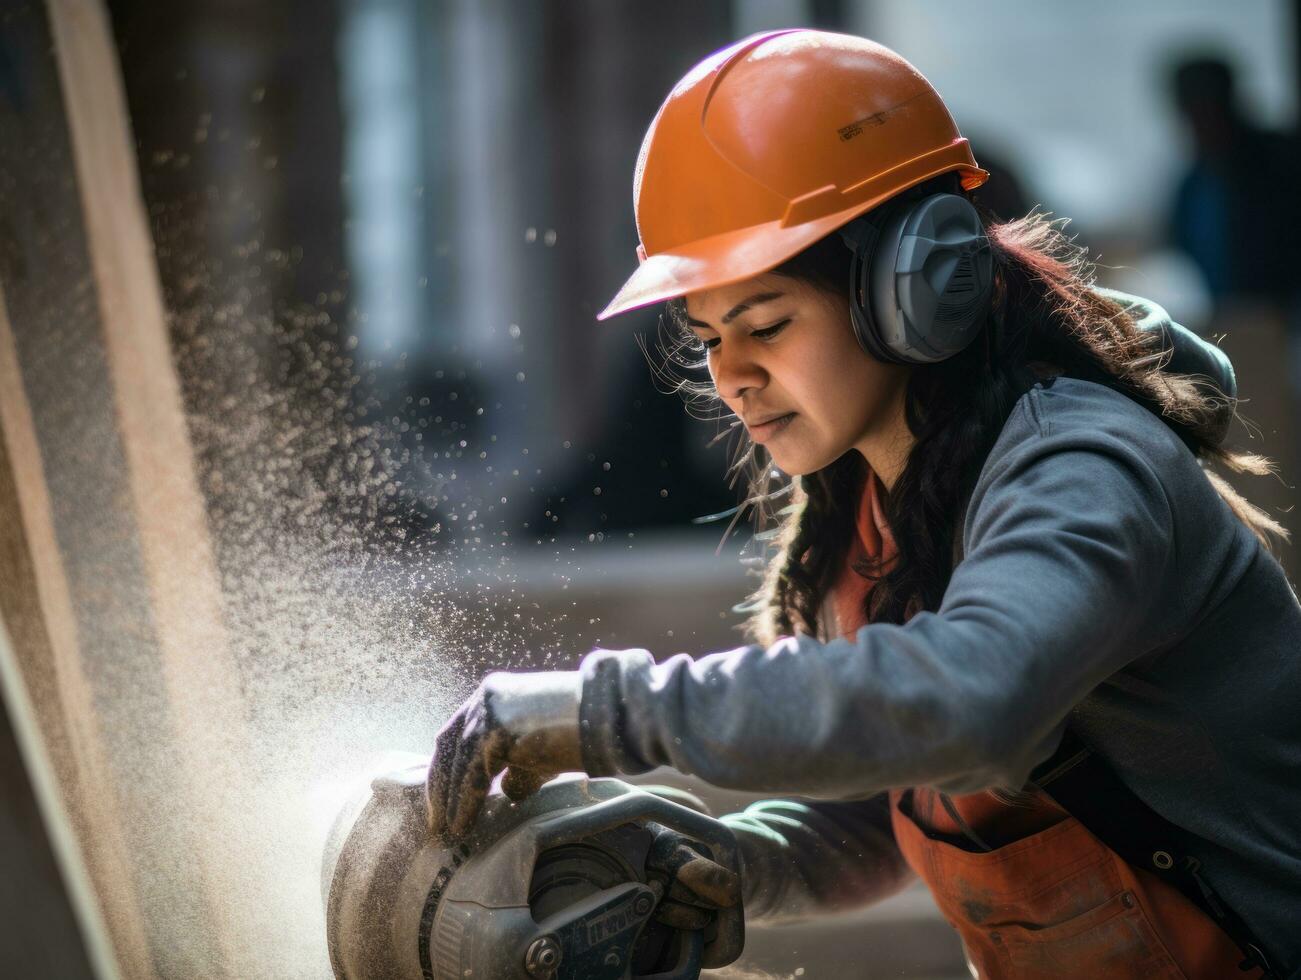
920 279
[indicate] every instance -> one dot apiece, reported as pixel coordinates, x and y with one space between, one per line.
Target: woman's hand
525 724
690 887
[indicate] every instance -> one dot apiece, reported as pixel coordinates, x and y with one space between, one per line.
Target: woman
1016 639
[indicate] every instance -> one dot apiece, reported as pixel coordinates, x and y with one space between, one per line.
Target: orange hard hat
770 144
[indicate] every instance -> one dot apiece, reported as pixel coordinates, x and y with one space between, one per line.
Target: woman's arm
1068 542
802 859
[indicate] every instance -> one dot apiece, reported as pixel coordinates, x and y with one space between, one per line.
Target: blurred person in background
1236 209
1017 637
1237 206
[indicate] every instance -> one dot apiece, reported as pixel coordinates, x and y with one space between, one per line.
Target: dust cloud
342 603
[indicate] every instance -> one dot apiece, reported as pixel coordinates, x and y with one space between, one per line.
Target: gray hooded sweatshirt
1102 577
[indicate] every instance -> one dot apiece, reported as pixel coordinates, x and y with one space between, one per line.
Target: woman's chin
798 464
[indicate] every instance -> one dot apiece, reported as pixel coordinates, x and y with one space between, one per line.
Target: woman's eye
767 333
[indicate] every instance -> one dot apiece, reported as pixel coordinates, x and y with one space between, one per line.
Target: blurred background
384 228
443 190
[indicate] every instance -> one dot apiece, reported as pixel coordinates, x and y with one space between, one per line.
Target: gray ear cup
922 277
861 236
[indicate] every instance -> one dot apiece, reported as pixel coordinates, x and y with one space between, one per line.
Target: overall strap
1082 782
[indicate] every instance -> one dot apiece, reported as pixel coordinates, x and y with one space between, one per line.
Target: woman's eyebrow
738 309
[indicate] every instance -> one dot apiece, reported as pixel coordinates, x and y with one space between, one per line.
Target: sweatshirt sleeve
803 859
1067 541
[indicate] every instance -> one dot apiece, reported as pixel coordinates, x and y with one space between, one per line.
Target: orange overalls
1043 898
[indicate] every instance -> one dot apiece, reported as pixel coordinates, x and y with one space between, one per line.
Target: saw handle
689 963
580 822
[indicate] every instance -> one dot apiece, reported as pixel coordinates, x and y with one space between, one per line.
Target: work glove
690 887
525 724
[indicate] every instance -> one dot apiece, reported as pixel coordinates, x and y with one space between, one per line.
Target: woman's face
783 357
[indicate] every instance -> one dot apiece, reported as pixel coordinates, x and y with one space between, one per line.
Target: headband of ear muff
920 279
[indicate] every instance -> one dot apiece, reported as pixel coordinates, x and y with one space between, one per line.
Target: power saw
551 888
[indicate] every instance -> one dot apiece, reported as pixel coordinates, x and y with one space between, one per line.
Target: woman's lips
761 433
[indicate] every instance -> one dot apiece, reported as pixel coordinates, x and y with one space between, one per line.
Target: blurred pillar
606 68
380 45
533 115
235 108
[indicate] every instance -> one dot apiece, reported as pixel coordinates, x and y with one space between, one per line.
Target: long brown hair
1044 319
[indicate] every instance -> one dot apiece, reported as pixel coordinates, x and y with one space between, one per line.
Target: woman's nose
735 371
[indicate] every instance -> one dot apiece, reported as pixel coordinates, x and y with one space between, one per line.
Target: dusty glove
691 888
524 724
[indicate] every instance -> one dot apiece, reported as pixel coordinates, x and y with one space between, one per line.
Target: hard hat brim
735 256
